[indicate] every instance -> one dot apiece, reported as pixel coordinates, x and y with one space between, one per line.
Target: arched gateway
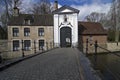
65 37
66 27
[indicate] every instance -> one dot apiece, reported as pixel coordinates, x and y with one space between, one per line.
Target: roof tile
90 28
37 20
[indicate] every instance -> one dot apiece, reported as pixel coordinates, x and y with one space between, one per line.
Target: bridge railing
96 59
22 51
97 47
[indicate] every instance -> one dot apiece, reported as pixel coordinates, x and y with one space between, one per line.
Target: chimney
55 5
15 9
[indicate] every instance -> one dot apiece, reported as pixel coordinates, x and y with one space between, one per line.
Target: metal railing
106 66
47 46
96 46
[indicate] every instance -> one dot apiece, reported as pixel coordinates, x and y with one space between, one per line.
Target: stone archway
65 37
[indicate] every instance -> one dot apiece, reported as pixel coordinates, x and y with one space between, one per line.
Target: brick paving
58 64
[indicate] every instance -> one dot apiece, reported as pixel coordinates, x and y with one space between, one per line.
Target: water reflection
107 65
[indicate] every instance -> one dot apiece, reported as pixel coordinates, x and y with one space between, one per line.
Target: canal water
107 65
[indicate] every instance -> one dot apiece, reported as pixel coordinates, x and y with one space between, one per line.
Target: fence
22 50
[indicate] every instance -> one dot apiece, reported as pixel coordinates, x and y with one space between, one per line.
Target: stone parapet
112 46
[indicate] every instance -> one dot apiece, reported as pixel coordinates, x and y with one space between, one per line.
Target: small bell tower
15 9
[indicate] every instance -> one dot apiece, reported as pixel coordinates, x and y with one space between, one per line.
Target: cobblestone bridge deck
58 64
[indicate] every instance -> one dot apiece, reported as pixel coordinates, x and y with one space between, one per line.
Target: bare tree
95 17
104 19
5 16
42 7
115 17
6 4
8 10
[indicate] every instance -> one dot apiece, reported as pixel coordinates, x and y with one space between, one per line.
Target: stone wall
3 48
91 48
113 46
48 39
8 53
109 46
48 35
101 39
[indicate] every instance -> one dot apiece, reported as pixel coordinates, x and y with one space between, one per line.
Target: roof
58 11
91 28
37 20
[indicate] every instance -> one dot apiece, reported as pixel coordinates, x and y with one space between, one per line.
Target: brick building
92 31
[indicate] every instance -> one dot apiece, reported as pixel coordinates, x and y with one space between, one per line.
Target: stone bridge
57 64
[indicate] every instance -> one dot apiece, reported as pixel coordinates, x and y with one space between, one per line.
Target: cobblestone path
58 64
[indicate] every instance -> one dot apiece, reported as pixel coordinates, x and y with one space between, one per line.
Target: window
15 45
26 31
27 22
15 32
27 45
41 31
41 44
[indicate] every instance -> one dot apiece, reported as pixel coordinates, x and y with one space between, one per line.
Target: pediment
65 9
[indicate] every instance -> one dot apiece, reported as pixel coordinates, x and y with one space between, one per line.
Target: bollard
87 47
117 43
95 54
23 49
34 46
96 45
0 58
47 45
42 49
50 45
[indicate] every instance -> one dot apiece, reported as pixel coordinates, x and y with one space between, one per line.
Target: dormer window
27 22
